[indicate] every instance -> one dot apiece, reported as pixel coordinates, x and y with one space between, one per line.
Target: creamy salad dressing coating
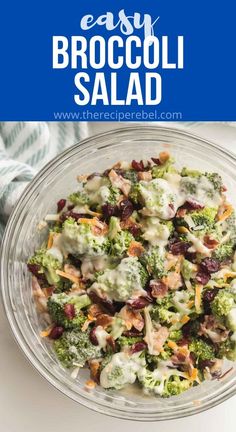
121 283
138 277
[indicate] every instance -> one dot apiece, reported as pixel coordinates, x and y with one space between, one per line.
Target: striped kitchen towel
25 147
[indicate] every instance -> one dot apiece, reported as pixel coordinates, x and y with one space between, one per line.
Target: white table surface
29 404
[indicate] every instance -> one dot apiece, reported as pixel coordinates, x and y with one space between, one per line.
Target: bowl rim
21 341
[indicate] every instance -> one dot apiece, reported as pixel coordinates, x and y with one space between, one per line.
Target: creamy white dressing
121 283
197 245
200 189
121 370
154 232
90 265
79 240
101 336
161 197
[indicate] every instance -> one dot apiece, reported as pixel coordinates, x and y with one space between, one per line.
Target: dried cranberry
93 337
192 204
56 332
134 230
191 256
210 265
179 247
139 303
35 269
126 209
109 210
156 161
132 333
106 303
208 297
202 277
138 346
69 310
158 288
60 205
70 207
137 166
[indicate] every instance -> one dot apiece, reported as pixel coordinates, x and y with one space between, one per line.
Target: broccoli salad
137 278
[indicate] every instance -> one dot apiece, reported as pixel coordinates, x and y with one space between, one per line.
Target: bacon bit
158 288
198 297
209 242
135 249
224 212
48 291
87 323
132 318
71 270
95 310
90 384
145 175
99 228
164 157
94 367
46 332
104 320
50 240
173 280
185 319
74 279
120 182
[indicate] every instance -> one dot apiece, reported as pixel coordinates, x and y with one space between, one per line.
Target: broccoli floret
188 269
231 319
78 198
168 383
176 386
56 304
222 303
216 180
113 196
79 239
205 217
130 175
159 171
202 350
227 350
120 282
224 251
134 194
114 227
48 265
120 243
74 348
176 335
190 173
154 262
125 341
121 370
161 311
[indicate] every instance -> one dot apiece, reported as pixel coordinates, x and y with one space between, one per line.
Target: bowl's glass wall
57 180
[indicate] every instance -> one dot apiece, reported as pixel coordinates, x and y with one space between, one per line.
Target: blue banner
162 60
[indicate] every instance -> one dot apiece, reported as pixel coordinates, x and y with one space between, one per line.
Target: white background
29 404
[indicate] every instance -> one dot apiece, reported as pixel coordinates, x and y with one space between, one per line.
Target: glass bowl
57 180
